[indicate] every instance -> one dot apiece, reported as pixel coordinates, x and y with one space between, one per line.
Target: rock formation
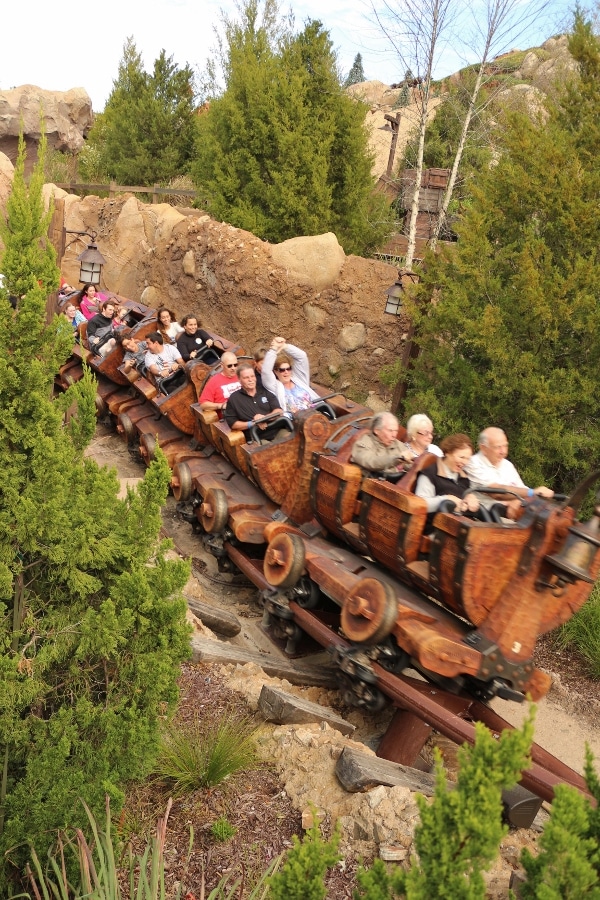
7 171
67 119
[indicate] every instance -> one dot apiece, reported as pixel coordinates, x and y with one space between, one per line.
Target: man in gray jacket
380 450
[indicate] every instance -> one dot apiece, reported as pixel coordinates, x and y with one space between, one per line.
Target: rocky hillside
305 289
523 76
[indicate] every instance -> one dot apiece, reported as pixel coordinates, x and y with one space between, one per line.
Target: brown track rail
452 715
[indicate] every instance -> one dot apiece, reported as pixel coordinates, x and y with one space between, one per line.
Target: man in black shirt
100 331
250 405
193 341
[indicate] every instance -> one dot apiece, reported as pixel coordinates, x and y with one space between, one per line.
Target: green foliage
568 865
283 151
460 830
510 338
99 873
60 167
198 755
301 877
90 637
222 829
148 129
356 75
29 259
582 632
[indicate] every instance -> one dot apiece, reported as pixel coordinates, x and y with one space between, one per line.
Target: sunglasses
230 365
284 369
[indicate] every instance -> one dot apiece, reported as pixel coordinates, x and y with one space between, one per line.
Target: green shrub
568 864
460 830
222 829
582 632
301 877
198 755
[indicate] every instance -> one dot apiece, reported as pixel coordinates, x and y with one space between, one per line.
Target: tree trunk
457 157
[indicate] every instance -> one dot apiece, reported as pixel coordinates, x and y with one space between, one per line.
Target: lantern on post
394 293
91 260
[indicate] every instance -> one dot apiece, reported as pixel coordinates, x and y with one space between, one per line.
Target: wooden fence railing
113 188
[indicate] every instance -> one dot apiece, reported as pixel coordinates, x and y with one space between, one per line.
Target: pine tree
283 151
356 75
90 642
147 132
511 337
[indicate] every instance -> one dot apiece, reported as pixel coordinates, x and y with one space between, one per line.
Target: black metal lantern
394 293
393 304
91 262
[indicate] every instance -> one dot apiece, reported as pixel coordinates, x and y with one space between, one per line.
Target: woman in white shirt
286 373
419 432
168 326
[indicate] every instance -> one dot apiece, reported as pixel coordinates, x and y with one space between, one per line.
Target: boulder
7 170
315 261
67 118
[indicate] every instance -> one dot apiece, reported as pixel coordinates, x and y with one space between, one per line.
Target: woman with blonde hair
419 432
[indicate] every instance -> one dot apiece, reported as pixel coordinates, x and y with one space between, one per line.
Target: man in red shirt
219 388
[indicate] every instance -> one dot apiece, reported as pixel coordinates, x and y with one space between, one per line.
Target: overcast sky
68 44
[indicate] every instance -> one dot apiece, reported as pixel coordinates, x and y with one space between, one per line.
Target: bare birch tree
417 32
497 24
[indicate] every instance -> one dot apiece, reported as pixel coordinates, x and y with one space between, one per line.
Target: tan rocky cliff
68 118
305 289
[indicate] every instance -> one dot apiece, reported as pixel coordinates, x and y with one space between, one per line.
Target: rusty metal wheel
126 427
148 445
214 511
101 407
369 612
181 482
284 560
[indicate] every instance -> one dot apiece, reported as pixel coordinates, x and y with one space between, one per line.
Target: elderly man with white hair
380 450
491 468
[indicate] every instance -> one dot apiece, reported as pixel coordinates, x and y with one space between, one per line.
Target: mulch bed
253 802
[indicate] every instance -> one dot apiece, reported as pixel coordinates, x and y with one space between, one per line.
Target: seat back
391 523
408 482
336 482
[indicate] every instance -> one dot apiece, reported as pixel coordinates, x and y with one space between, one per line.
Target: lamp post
91 260
410 351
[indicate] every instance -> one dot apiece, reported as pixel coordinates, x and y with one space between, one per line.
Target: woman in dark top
194 340
443 479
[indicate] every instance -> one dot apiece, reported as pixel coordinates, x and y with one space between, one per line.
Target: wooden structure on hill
431 195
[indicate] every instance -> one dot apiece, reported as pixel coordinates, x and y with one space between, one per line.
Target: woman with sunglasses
286 373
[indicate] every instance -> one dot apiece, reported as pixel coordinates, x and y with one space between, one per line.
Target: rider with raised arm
286 373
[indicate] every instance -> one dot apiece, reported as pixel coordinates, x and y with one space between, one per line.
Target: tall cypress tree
511 337
90 642
283 151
